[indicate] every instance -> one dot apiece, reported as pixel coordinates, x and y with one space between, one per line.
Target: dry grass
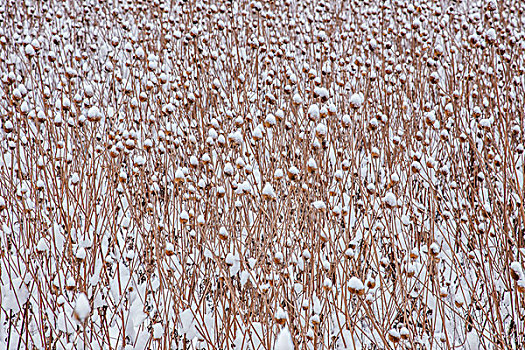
208 173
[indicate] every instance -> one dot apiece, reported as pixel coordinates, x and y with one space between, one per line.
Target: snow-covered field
213 174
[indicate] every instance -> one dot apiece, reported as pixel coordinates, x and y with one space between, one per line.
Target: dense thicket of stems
209 174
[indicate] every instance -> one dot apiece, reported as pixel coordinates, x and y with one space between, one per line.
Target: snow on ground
213 174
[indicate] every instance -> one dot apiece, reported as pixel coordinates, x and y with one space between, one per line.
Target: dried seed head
394 335
356 286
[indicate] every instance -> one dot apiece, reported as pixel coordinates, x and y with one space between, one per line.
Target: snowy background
210 174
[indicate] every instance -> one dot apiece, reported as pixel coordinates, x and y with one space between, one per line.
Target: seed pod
520 286
223 233
170 250
356 286
515 270
394 336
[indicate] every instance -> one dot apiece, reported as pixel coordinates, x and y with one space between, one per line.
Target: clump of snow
357 100
319 205
311 164
321 130
284 340
356 286
297 99
281 315
491 34
390 200
186 320
268 192
42 245
139 161
94 113
82 308
158 331
313 112
179 175
321 92
516 270
394 335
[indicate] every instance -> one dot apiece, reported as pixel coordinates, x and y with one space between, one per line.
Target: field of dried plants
214 174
